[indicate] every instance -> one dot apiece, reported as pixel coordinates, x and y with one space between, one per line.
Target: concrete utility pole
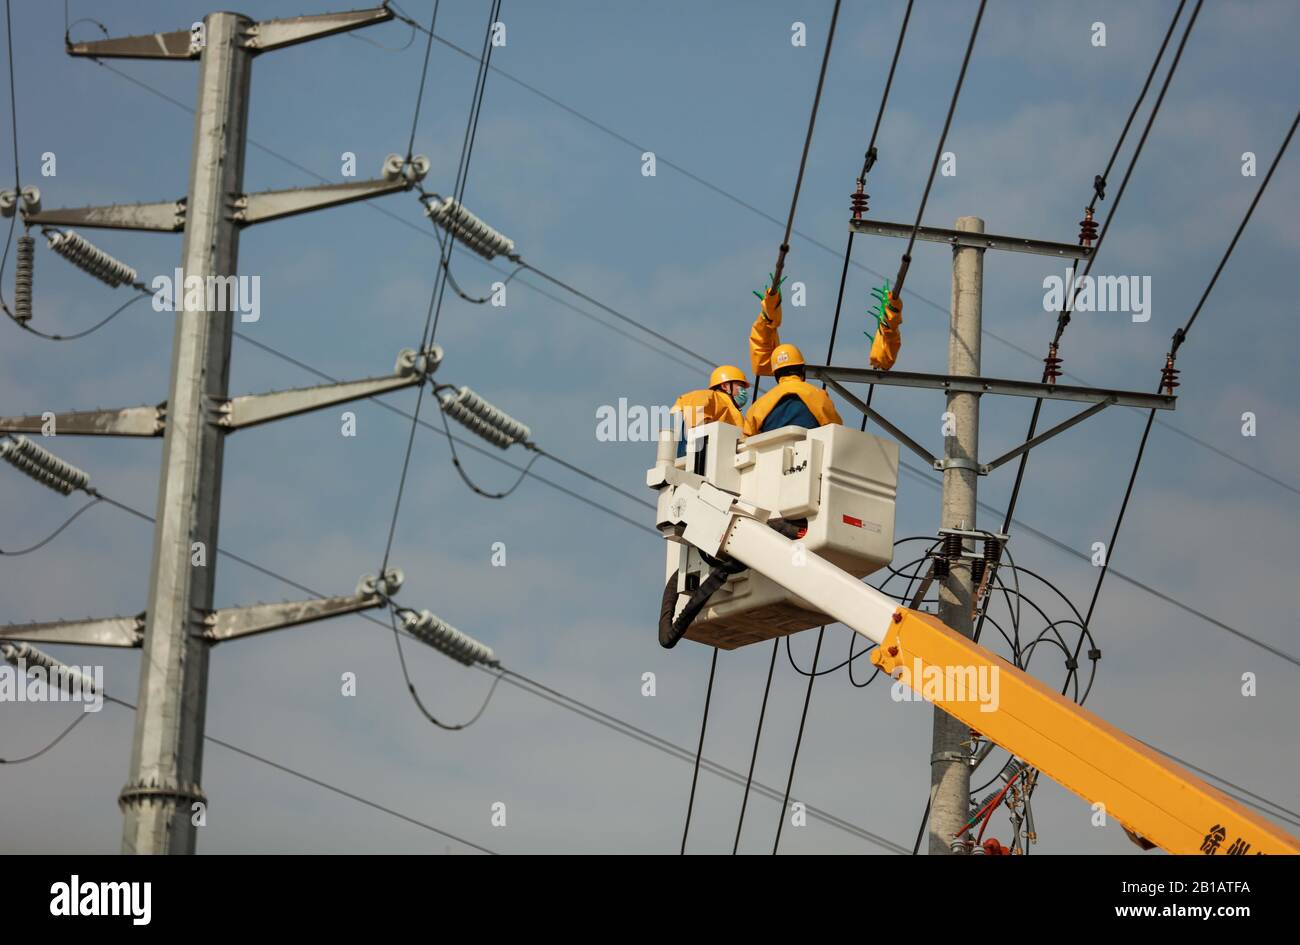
167 754
162 797
160 800
964 386
949 758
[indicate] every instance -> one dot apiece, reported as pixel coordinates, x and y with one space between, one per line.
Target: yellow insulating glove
888 339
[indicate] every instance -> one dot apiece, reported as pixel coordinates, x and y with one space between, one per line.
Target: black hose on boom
670 630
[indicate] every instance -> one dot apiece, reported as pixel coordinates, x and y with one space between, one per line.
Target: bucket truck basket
835 484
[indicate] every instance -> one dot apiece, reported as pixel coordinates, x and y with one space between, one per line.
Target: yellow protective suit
764 338
699 407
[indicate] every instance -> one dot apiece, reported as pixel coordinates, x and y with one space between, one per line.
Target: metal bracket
249 209
228 623
259 37
107 631
252 409
956 462
126 421
277 34
166 216
923 589
935 234
961 756
178 44
1047 435
989 385
902 437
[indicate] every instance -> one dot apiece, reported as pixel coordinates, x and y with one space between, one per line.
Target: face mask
741 397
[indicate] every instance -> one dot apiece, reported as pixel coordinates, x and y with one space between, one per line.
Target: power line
430 330
776 288
13 96
922 476
938 152
1063 319
475 447
671 749
1043 535
605 719
342 792
55 534
569 703
619 315
1175 63
1179 337
423 231
704 724
798 742
695 178
867 161
807 144
753 757
81 717
424 74
1099 183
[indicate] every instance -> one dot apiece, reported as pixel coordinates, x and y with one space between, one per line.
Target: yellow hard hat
786 356
724 373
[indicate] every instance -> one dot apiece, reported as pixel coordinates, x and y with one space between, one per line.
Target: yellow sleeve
884 347
764 336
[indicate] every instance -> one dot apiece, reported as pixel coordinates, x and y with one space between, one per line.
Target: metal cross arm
248 209
257 38
252 409
1099 399
245 209
105 631
236 412
935 234
993 385
126 421
162 217
226 623
229 623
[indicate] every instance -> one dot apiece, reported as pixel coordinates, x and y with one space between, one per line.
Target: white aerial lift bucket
836 484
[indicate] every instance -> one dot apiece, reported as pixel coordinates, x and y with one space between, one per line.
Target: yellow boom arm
1153 797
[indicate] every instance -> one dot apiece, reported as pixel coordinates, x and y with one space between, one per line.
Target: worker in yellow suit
728 391
793 401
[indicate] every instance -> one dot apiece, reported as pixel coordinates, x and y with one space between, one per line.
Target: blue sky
721 96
